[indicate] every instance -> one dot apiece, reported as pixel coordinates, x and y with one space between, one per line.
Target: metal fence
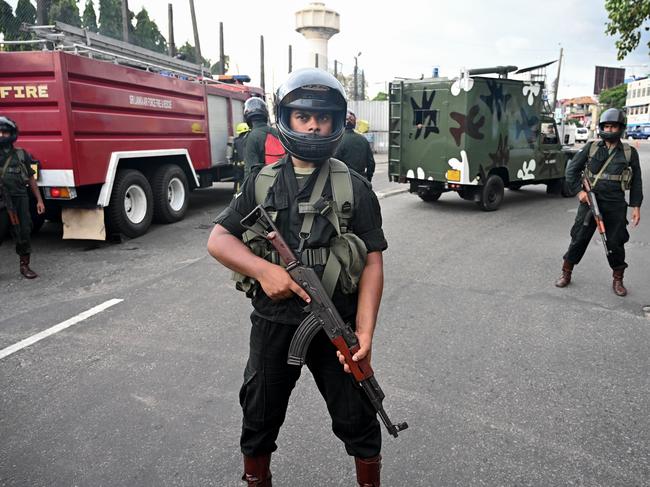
376 114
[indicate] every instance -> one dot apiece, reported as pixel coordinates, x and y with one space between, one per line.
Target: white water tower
318 24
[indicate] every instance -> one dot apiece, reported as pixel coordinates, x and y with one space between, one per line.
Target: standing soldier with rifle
331 221
610 168
17 175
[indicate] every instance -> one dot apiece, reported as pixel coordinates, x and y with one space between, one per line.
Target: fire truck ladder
394 127
82 41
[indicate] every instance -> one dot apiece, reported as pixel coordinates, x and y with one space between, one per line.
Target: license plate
453 175
35 169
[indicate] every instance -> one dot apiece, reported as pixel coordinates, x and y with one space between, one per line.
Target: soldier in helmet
239 148
17 178
262 144
612 167
310 113
355 150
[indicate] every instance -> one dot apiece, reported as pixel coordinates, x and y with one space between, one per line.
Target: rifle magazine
301 340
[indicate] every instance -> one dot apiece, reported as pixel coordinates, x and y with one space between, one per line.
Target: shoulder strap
264 180
593 148
342 191
6 164
627 151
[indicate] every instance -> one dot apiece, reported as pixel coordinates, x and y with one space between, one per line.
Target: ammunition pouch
351 253
625 178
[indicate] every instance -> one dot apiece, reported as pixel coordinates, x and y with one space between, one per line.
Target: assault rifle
595 211
9 204
322 315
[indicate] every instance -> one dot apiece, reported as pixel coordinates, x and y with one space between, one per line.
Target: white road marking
5 352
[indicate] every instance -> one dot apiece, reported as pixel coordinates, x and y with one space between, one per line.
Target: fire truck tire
170 194
130 210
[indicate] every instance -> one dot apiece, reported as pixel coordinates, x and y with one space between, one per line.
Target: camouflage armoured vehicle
474 135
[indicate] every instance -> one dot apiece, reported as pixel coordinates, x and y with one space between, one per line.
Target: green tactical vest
344 258
14 172
625 177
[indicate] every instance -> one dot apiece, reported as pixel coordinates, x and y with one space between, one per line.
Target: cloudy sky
408 38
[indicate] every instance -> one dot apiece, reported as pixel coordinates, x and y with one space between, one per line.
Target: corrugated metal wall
376 113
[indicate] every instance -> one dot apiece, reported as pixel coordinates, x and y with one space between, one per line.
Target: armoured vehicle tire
130 210
491 193
430 196
515 186
170 194
554 186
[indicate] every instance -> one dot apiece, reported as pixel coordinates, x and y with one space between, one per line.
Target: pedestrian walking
355 149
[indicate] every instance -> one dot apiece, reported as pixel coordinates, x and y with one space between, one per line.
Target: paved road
504 379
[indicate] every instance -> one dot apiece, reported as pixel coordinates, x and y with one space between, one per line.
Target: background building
606 78
637 103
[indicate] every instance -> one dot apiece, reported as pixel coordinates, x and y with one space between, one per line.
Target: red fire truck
118 146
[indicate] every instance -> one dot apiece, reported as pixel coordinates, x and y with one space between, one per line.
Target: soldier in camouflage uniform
355 150
612 167
17 176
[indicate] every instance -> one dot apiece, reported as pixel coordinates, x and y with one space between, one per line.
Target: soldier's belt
608 177
309 257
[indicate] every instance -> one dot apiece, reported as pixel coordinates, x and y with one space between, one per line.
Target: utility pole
197 44
222 56
125 20
316 60
335 71
41 14
355 91
290 60
262 84
363 85
171 47
557 80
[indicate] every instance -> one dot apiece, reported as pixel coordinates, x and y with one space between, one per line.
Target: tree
8 23
188 53
614 97
110 18
25 14
146 33
381 96
626 19
348 84
216 67
65 11
89 18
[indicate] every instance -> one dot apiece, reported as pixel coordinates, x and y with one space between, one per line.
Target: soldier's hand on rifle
365 350
636 215
277 283
582 196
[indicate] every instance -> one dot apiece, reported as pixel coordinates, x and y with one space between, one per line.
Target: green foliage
110 18
146 33
65 11
381 96
627 19
89 18
614 97
216 67
8 23
188 53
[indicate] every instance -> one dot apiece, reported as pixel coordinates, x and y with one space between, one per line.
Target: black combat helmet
611 115
8 125
255 108
313 90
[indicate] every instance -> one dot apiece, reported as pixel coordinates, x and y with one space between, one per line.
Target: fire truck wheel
170 194
491 193
131 207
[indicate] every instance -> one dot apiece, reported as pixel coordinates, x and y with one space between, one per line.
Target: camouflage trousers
615 219
22 235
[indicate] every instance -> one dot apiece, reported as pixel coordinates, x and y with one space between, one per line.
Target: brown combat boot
24 267
565 278
257 471
617 284
368 471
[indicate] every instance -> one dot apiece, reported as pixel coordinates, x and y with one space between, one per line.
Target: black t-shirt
284 197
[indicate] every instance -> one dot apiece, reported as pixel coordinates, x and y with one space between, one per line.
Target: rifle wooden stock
323 316
595 211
